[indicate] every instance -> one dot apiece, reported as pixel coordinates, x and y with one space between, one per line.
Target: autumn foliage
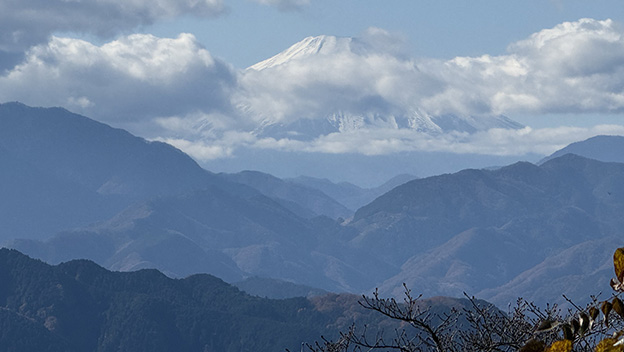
585 323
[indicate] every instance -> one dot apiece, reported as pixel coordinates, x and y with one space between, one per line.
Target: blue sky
175 70
250 32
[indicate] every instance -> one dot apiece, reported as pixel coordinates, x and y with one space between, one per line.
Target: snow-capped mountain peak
323 44
321 95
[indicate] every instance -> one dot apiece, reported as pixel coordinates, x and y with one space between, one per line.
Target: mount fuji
337 108
372 110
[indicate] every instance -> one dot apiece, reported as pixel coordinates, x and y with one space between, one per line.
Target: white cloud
135 77
27 22
575 67
175 89
501 142
356 76
200 150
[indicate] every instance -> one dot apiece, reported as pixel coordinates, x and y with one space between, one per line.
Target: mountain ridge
603 147
80 306
542 209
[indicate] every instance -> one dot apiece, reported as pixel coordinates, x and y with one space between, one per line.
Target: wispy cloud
285 5
29 22
501 142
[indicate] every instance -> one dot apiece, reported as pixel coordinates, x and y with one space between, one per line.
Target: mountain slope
79 306
323 45
100 158
571 272
305 201
603 148
476 230
352 196
62 170
210 231
91 309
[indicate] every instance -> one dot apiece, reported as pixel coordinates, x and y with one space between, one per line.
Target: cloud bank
175 90
496 141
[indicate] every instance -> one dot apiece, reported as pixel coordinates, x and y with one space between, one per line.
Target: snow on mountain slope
322 44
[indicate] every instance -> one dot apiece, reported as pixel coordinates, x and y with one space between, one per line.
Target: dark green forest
79 306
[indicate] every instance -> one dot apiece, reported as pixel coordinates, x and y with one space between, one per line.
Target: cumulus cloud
575 67
138 77
285 5
24 23
335 74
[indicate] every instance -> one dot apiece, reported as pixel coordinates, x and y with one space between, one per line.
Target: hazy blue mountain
34 202
603 148
364 170
574 271
155 207
61 170
215 232
478 230
131 204
352 196
304 201
98 157
345 193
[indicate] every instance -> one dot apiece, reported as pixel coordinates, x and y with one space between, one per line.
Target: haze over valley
135 204
258 175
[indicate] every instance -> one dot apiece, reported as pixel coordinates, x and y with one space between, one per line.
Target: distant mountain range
603 148
73 188
352 196
477 230
305 201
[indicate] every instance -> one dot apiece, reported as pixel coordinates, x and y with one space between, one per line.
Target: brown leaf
618 263
593 313
568 334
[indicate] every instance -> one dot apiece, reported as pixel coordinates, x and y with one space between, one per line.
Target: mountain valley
128 204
